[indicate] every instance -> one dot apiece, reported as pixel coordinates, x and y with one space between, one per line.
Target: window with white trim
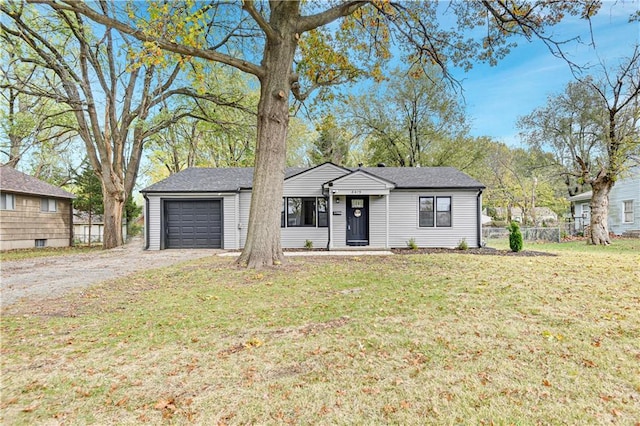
7 201
304 212
627 211
48 205
434 212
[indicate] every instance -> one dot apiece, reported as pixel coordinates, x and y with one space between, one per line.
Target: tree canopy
294 48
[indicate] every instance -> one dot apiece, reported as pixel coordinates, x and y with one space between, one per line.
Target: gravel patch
46 277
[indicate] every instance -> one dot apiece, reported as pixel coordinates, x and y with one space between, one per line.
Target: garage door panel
193 223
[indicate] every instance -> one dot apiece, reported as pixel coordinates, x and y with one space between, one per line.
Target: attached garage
193 223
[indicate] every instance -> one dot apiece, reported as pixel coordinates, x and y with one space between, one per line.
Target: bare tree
593 130
113 98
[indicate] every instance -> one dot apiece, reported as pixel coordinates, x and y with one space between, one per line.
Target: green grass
407 339
618 245
21 254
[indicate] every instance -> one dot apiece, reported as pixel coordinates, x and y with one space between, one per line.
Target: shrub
515 237
412 244
308 244
463 245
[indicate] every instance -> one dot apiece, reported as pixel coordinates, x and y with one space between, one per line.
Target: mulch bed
484 251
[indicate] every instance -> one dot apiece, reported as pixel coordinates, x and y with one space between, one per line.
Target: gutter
71 222
479 218
146 221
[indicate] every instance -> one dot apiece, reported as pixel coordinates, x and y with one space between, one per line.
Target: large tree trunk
263 246
113 200
599 233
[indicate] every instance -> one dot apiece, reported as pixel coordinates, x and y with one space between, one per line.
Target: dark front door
357 221
193 223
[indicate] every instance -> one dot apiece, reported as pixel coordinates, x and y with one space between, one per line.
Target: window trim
435 211
284 213
6 196
49 202
625 211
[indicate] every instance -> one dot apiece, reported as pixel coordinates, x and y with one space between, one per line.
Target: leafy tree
592 129
404 117
517 177
291 47
332 143
31 125
88 191
113 98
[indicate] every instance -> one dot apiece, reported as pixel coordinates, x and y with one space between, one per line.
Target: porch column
386 210
330 220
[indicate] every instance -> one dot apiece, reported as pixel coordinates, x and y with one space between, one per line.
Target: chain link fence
528 234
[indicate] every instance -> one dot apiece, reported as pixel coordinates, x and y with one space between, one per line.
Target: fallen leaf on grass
30 408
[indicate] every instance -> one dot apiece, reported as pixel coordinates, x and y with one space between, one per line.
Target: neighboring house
331 206
33 213
82 229
581 211
624 206
542 214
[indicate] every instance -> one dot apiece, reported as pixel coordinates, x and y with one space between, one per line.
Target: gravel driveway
40 278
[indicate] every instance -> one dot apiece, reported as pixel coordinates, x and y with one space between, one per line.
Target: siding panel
20 228
624 190
404 220
154 221
309 184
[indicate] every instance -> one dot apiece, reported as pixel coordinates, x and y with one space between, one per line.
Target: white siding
230 235
309 183
340 222
404 224
624 190
245 204
153 226
360 183
377 221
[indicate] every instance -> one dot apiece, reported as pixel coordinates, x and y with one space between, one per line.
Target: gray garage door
193 224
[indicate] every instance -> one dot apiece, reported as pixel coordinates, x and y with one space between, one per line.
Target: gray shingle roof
425 177
233 179
195 179
12 180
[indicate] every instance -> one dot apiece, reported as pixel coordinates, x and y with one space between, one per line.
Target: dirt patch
46 278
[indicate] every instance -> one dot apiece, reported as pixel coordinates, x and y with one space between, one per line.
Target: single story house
330 206
624 206
33 213
82 229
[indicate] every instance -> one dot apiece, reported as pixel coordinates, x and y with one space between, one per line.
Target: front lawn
407 339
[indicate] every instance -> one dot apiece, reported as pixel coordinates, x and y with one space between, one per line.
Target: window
7 202
304 211
41 243
440 216
426 211
48 205
443 211
323 214
628 211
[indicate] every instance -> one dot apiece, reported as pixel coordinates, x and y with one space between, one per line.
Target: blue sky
497 96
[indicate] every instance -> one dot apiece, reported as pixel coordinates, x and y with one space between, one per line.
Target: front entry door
357 221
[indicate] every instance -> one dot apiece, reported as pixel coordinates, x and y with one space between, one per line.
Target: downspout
479 218
146 221
329 219
71 222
